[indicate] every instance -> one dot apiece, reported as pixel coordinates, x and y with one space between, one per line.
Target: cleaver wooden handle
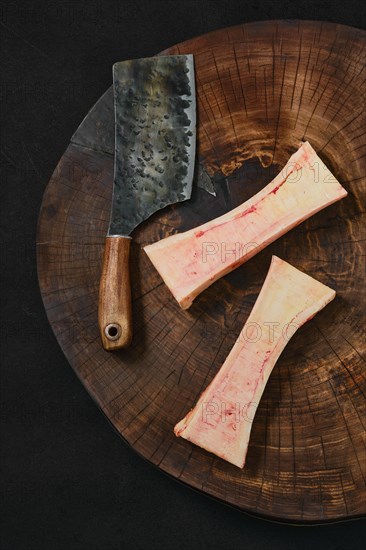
115 309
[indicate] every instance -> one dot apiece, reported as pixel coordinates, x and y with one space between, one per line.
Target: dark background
68 481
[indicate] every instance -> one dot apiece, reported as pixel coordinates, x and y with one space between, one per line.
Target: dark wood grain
260 88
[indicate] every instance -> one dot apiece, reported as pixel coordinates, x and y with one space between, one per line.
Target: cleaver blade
155 148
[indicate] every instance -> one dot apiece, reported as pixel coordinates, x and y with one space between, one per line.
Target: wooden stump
261 88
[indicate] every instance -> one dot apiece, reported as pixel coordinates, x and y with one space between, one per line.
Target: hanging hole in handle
113 331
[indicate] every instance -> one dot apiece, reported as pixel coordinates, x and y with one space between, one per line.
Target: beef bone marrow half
189 262
222 419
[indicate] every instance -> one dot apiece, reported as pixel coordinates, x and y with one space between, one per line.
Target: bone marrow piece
222 419
189 262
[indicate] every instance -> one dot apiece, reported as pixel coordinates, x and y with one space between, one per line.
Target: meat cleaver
155 141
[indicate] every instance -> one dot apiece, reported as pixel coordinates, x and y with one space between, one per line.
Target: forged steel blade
155 137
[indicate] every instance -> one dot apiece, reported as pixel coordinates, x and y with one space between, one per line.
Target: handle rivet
113 331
